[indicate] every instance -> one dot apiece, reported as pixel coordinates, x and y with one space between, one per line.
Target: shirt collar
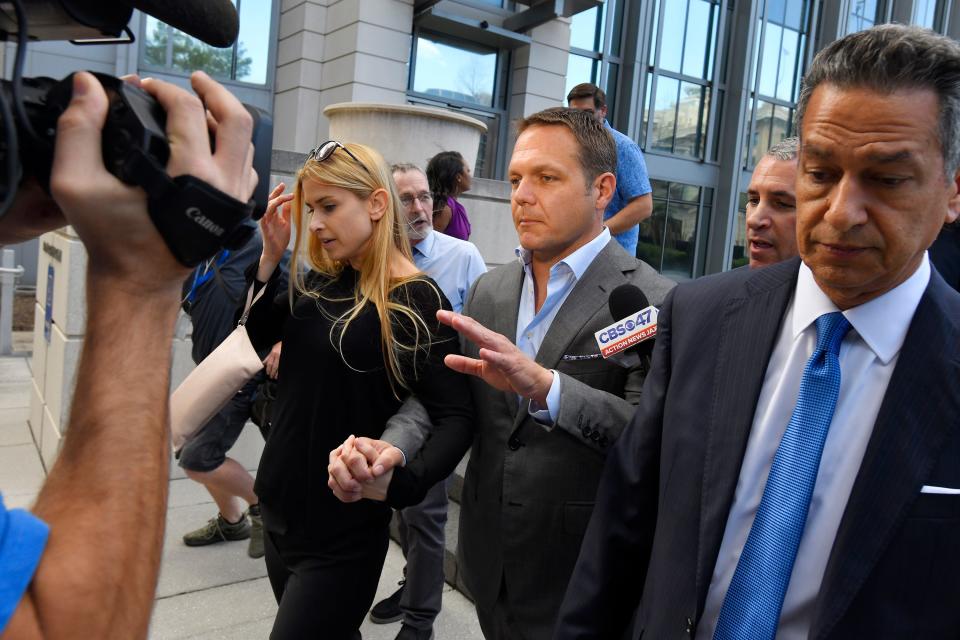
426 246
882 322
579 260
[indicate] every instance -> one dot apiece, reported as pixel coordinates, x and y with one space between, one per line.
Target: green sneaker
218 530
256 550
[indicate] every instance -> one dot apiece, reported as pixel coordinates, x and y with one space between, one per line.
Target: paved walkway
203 593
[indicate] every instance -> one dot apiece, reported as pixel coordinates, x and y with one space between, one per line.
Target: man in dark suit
548 406
792 470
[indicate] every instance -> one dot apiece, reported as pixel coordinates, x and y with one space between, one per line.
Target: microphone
213 21
630 336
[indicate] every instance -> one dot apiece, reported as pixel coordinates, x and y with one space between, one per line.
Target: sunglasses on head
326 150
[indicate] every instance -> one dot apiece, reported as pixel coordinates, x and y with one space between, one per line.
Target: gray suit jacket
528 492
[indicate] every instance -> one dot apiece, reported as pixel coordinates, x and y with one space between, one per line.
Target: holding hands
362 468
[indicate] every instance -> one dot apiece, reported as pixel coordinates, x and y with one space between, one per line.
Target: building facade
704 86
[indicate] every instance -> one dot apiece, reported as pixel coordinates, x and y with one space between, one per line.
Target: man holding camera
57 577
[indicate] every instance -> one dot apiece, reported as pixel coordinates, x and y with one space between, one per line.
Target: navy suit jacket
669 482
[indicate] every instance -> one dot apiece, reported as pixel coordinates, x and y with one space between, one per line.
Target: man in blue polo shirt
632 202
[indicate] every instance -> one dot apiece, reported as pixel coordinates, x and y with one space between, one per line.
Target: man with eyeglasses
454 264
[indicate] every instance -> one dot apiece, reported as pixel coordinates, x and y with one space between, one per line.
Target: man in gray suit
547 405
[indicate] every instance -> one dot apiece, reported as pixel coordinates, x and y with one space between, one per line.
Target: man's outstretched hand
501 364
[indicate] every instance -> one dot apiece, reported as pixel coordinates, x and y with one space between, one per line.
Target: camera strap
195 218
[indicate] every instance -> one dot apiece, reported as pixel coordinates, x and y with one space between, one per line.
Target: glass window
761 132
680 239
668 238
253 43
739 255
650 240
863 15
167 49
674 25
696 62
692 120
794 14
771 56
780 67
654 25
461 72
786 75
580 69
681 105
613 73
665 113
924 13
584 33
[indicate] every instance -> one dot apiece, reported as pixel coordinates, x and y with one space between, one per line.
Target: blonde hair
375 285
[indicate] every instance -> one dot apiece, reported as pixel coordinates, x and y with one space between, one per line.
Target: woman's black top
333 385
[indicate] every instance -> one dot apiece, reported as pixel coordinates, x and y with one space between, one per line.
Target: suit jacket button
690 627
586 431
513 443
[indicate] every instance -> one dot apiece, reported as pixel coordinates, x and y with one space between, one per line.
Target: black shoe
409 633
388 609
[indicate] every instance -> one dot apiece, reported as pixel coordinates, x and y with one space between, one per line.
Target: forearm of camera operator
109 485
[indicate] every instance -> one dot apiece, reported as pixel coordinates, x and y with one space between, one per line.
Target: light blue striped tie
751 609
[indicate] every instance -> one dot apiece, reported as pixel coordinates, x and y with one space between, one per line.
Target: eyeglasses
423 198
326 150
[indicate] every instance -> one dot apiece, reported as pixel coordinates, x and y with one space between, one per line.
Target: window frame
501 88
715 85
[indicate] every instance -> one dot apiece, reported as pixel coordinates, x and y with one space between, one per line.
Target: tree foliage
189 54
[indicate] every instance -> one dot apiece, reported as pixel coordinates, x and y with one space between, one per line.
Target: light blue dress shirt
454 265
532 326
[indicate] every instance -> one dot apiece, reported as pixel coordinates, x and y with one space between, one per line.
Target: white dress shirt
868 356
532 325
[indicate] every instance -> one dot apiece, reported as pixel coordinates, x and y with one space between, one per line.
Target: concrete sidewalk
209 592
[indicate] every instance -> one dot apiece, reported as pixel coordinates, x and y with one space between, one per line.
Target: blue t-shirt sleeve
23 537
632 178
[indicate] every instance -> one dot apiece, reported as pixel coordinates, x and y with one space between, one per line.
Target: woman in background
360 334
449 176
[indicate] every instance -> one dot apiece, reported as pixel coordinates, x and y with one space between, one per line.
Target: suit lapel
903 448
590 293
748 333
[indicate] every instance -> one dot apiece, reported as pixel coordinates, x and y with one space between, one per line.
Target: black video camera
194 219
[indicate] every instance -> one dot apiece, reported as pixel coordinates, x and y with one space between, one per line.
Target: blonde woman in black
359 334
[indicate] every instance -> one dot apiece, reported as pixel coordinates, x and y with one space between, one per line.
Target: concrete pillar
330 52
539 72
60 316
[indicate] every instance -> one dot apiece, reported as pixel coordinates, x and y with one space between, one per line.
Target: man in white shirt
454 264
792 470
